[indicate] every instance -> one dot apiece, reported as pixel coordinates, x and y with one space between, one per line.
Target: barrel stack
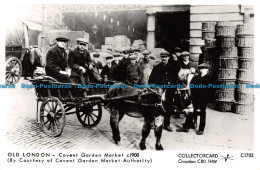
210 51
228 65
245 96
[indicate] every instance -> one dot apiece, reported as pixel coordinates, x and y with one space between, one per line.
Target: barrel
228 62
226 42
227 74
226 31
208 35
208 26
228 52
210 43
244 87
243 108
227 82
244 98
246 63
245 29
245 41
224 23
226 95
245 75
245 52
224 106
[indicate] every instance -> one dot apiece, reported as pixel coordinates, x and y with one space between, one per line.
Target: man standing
96 62
165 73
147 66
108 70
176 56
56 61
134 71
80 62
200 98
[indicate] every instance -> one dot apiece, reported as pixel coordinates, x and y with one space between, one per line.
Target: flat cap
133 57
204 65
185 53
63 39
82 40
109 57
146 52
137 50
96 55
116 54
165 53
131 51
177 50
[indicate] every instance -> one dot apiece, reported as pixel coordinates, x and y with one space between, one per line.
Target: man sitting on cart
56 61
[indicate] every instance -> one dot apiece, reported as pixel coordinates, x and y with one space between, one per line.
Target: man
184 63
200 99
98 65
122 66
176 56
56 61
147 66
108 70
134 71
165 73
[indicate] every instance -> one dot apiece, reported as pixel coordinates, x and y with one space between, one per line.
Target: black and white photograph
130 83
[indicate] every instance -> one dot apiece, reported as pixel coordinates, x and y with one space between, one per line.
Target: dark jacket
109 72
201 96
134 73
76 59
163 74
56 60
121 69
182 65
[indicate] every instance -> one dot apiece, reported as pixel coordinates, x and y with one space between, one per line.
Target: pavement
224 130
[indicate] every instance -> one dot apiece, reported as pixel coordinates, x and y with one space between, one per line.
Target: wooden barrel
224 23
226 42
243 87
227 82
243 108
245 41
224 106
228 52
245 29
226 31
209 26
210 43
228 62
208 35
225 74
246 63
226 95
244 98
245 75
245 52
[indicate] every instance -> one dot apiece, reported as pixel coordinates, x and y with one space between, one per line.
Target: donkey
144 103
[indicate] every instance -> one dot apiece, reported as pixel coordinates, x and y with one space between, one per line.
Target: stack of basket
210 51
245 96
228 64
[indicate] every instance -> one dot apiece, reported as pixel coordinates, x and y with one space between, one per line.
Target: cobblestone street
224 130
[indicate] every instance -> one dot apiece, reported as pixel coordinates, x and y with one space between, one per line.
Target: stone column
150 39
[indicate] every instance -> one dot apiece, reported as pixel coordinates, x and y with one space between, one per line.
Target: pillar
150 39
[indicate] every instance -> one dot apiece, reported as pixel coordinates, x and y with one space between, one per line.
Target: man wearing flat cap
96 62
165 73
108 72
134 71
200 98
147 66
176 56
56 61
80 62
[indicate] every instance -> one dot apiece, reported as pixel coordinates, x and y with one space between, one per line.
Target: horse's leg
158 131
145 131
114 121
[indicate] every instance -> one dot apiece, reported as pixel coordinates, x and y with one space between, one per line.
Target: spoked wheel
89 115
13 70
52 116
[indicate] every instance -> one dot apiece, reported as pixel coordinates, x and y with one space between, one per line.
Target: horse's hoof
118 143
142 145
158 147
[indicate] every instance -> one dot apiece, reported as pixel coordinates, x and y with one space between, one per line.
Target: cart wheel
89 115
52 116
13 70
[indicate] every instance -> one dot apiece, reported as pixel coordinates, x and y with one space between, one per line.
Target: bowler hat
82 40
203 65
63 39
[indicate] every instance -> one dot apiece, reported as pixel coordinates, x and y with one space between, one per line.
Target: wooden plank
195 33
217 17
195 25
215 9
197 41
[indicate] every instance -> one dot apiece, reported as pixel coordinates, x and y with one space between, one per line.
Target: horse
137 103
